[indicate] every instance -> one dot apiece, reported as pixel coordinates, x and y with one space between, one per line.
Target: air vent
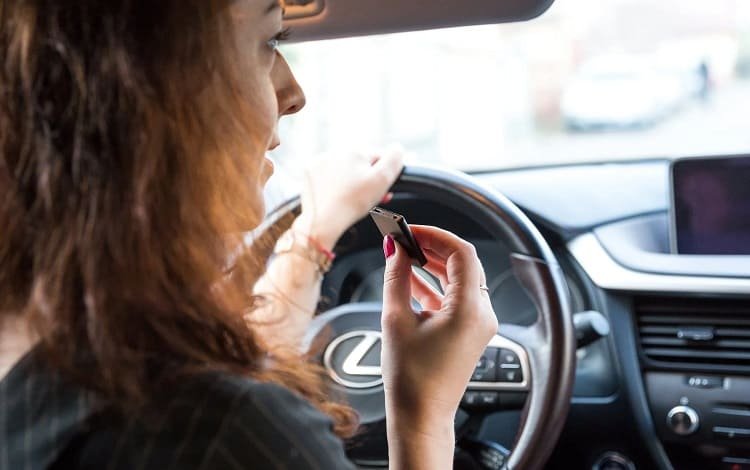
695 333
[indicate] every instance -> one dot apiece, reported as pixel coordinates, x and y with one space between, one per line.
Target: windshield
590 80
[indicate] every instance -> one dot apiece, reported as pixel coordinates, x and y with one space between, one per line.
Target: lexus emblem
344 357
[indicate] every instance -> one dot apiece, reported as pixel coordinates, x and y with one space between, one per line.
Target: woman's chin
266 171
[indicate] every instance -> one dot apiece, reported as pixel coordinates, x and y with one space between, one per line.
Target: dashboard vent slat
734 332
710 319
697 354
700 334
722 344
660 330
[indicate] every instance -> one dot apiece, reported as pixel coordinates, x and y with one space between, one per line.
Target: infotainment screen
711 206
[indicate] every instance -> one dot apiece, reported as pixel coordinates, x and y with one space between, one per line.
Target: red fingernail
389 246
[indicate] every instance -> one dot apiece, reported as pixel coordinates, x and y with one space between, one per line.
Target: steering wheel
530 368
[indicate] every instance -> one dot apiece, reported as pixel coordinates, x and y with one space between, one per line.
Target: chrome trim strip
502 342
609 274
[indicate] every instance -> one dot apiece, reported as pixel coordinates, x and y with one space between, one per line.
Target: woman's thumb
396 280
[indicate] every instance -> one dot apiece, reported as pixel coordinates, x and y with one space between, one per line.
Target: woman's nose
289 94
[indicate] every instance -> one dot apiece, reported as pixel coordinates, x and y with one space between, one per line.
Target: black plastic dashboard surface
573 199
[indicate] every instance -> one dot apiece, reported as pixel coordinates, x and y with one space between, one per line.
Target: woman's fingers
482 274
387 168
397 294
436 267
441 242
462 266
437 263
427 296
433 258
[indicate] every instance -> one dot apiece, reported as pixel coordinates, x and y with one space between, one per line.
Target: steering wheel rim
549 344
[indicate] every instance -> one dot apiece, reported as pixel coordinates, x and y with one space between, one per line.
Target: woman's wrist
305 247
434 420
326 235
439 432
431 422
412 445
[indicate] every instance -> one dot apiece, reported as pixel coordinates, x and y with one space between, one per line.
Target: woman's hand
428 357
339 191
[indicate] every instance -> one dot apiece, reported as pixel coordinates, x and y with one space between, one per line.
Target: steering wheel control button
470 399
511 376
486 369
509 369
480 400
489 399
684 421
507 357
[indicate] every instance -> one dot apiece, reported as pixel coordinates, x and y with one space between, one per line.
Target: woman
132 137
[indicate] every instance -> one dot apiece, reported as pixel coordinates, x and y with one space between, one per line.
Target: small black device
390 223
710 213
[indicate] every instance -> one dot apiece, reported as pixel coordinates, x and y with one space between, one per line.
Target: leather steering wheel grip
551 347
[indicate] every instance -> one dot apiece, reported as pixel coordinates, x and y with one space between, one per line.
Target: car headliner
343 18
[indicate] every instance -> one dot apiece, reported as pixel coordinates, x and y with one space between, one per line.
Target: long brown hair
124 131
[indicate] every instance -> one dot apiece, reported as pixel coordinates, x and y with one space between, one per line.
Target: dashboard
670 386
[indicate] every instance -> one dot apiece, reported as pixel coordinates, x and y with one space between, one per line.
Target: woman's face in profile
269 78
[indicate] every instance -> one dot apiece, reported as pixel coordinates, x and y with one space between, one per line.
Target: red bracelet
319 246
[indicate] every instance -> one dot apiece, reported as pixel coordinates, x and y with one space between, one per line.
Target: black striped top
216 422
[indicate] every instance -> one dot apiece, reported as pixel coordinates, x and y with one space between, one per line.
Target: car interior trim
606 273
643 244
